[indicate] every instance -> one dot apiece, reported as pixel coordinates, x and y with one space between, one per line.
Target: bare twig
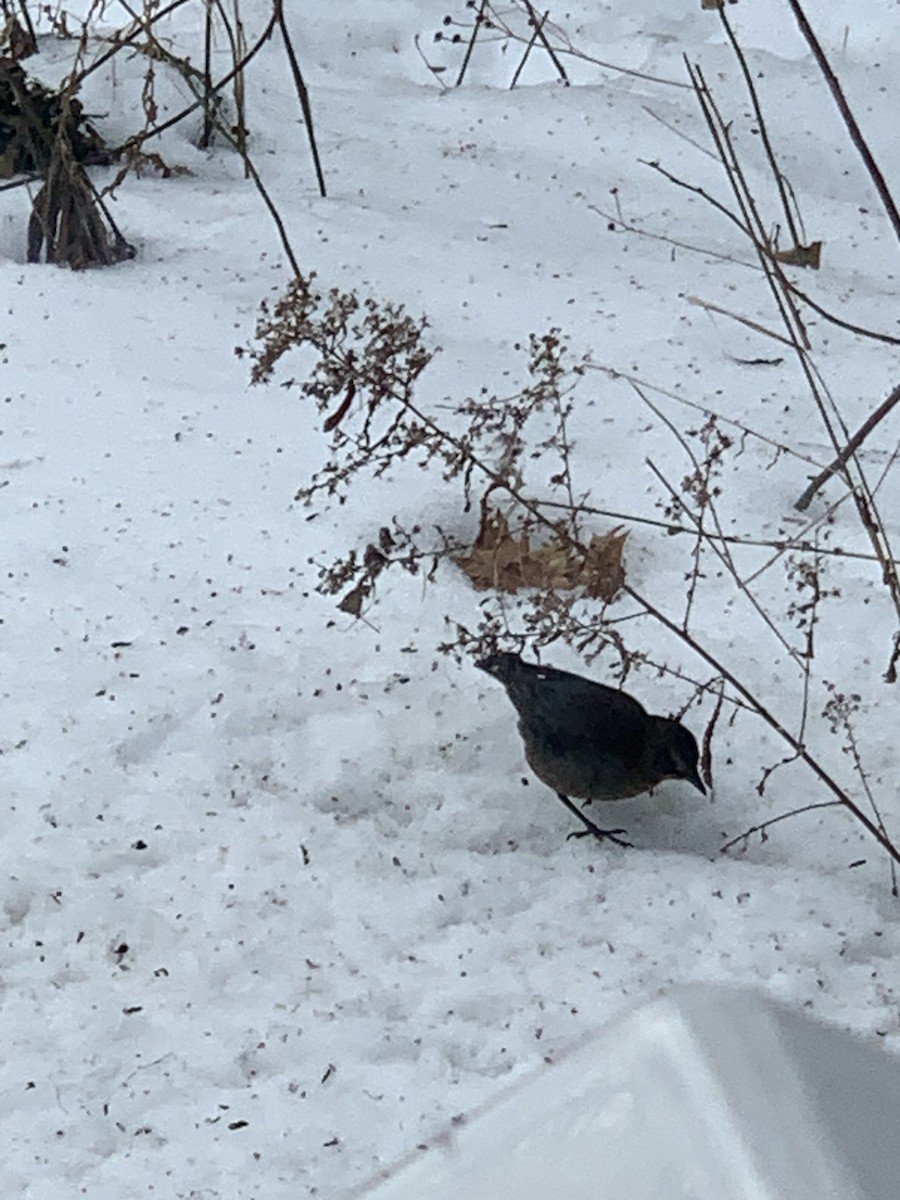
542 37
853 129
302 94
476 26
766 825
850 449
851 468
750 219
863 774
763 127
718 543
496 20
565 48
136 141
725 312
629 227
413 429
528 48
437 72
206 135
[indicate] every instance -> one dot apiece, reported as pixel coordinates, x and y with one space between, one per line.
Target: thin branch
542 37
121 39
137 140
794 812
853 129
708 306
206 135
850 449
629 227
761 123
779 447
476 25
672 128
852 469
302 95
860 330
720 132
463 449
699 191
437 72
717 543
528 48
567 48
769 717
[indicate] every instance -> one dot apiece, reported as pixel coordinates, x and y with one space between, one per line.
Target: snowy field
280 898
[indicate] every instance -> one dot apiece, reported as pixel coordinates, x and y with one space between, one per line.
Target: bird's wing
577 714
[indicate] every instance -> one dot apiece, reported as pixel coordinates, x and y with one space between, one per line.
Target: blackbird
590 741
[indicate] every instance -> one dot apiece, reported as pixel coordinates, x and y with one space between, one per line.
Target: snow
709 1093
278 904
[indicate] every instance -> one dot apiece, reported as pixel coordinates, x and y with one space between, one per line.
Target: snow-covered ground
276 904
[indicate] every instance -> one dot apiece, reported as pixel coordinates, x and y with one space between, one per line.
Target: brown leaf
508 562
604 567
801 256
342 409
352 603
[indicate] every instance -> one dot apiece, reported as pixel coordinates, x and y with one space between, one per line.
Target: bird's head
675 754
501 664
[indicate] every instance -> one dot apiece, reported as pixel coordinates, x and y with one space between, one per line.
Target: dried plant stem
566 49
437 72
769 717
750 219
138 140
708 306
864 778
461 450
875 418
27 22
237 135
844 457
267 200
853 129
141 25
302 96
617 220
211 89
718 543
850 466
875 335
696 406
762 828
239 44
476 26
763 128
538 26
208 95
528 48
779 546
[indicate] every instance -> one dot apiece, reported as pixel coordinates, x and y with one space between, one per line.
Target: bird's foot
602 835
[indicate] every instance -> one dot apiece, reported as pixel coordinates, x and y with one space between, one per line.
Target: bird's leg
602 835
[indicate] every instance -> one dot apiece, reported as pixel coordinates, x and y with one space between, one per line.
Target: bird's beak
695 779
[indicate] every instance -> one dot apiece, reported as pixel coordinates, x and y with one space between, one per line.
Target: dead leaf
507 561
342 409
801 256
353 601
